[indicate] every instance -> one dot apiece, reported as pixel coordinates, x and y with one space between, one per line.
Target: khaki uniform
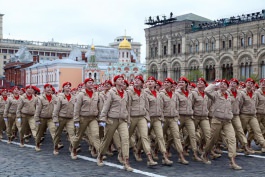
116 115
222 116
26 110
154 107
260 105
86 112
248 115
139 118
236 122
186 116
63 114
200 114
170 109
2 122
43 114
10 113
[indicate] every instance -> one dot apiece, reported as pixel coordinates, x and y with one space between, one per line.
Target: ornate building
194 46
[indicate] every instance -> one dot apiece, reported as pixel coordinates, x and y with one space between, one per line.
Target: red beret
15 87
159 83
261 80
175 83
217 80
242 84
151 78
88 79
96 87
29 86
67 83
250 80
184 79
53 89
234 80
169 80
36 89
203 80
4 90
109 82
74 89
225 81
126 82
47 85
193 85
24 90
257 85
139 77
118 76
80 85
131 83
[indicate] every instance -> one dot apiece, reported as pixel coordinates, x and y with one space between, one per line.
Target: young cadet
3 100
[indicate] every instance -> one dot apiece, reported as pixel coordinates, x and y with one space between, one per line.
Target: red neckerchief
49 97
68 97
90 93
263 92
225 95
16 97
138 92
202 93
250 94
29 97
121 93
234 93
169 93
5 98
153 92
185 92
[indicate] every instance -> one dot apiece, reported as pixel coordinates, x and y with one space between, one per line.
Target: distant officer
115 113
86 111
63 115
10 113
43 114
25 114
3 101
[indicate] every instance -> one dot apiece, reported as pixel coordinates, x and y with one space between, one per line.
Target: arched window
95 76
262 68
227 69
164 71
154 71
245 68
210 70
194 72
176 71
249 41
262 39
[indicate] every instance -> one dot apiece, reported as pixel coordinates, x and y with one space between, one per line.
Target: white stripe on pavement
95 160
257 156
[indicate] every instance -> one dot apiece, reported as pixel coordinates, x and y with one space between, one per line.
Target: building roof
192 17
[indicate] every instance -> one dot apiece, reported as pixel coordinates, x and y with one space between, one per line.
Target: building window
164 70
122 54
242 42
249 41
152 52
206 47
4 50
245 70
223 44
4 62
4 56
176 71
179 48
210 72
262 69
165 50
213 46
197 48
127 54
156 52
154 71
191 49
174 49
227 71
262 39
230 44
95 76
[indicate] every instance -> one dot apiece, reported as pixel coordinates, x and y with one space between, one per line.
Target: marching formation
147 116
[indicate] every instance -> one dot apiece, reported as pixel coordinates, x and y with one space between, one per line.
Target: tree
194 75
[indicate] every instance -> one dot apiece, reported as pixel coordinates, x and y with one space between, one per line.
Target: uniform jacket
185 103
44 108
154 104
63 108
137 104
26 106
170 106
260 101
247 104
199 104
11 105
115 107
102 98
222 108
86 106
235 101
2 105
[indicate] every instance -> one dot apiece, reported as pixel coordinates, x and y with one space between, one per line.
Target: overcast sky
80 21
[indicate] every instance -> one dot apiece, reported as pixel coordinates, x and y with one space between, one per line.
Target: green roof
192 17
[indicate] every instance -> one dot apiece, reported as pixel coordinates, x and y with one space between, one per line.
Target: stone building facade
195 46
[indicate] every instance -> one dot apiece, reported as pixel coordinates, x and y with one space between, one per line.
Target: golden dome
125 44
92 47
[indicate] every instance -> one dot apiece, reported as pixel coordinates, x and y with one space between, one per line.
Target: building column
159 46
169 42
147 49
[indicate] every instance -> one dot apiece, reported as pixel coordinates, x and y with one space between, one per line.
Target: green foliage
194 75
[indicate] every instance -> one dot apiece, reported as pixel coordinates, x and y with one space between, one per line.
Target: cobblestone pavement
16 161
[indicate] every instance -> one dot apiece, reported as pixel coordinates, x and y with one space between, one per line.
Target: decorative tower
125 51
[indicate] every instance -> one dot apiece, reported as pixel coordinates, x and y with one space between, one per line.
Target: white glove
77 124
38 122
148 124
102 124
19 119
178 122
57 124
217 84
5 119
